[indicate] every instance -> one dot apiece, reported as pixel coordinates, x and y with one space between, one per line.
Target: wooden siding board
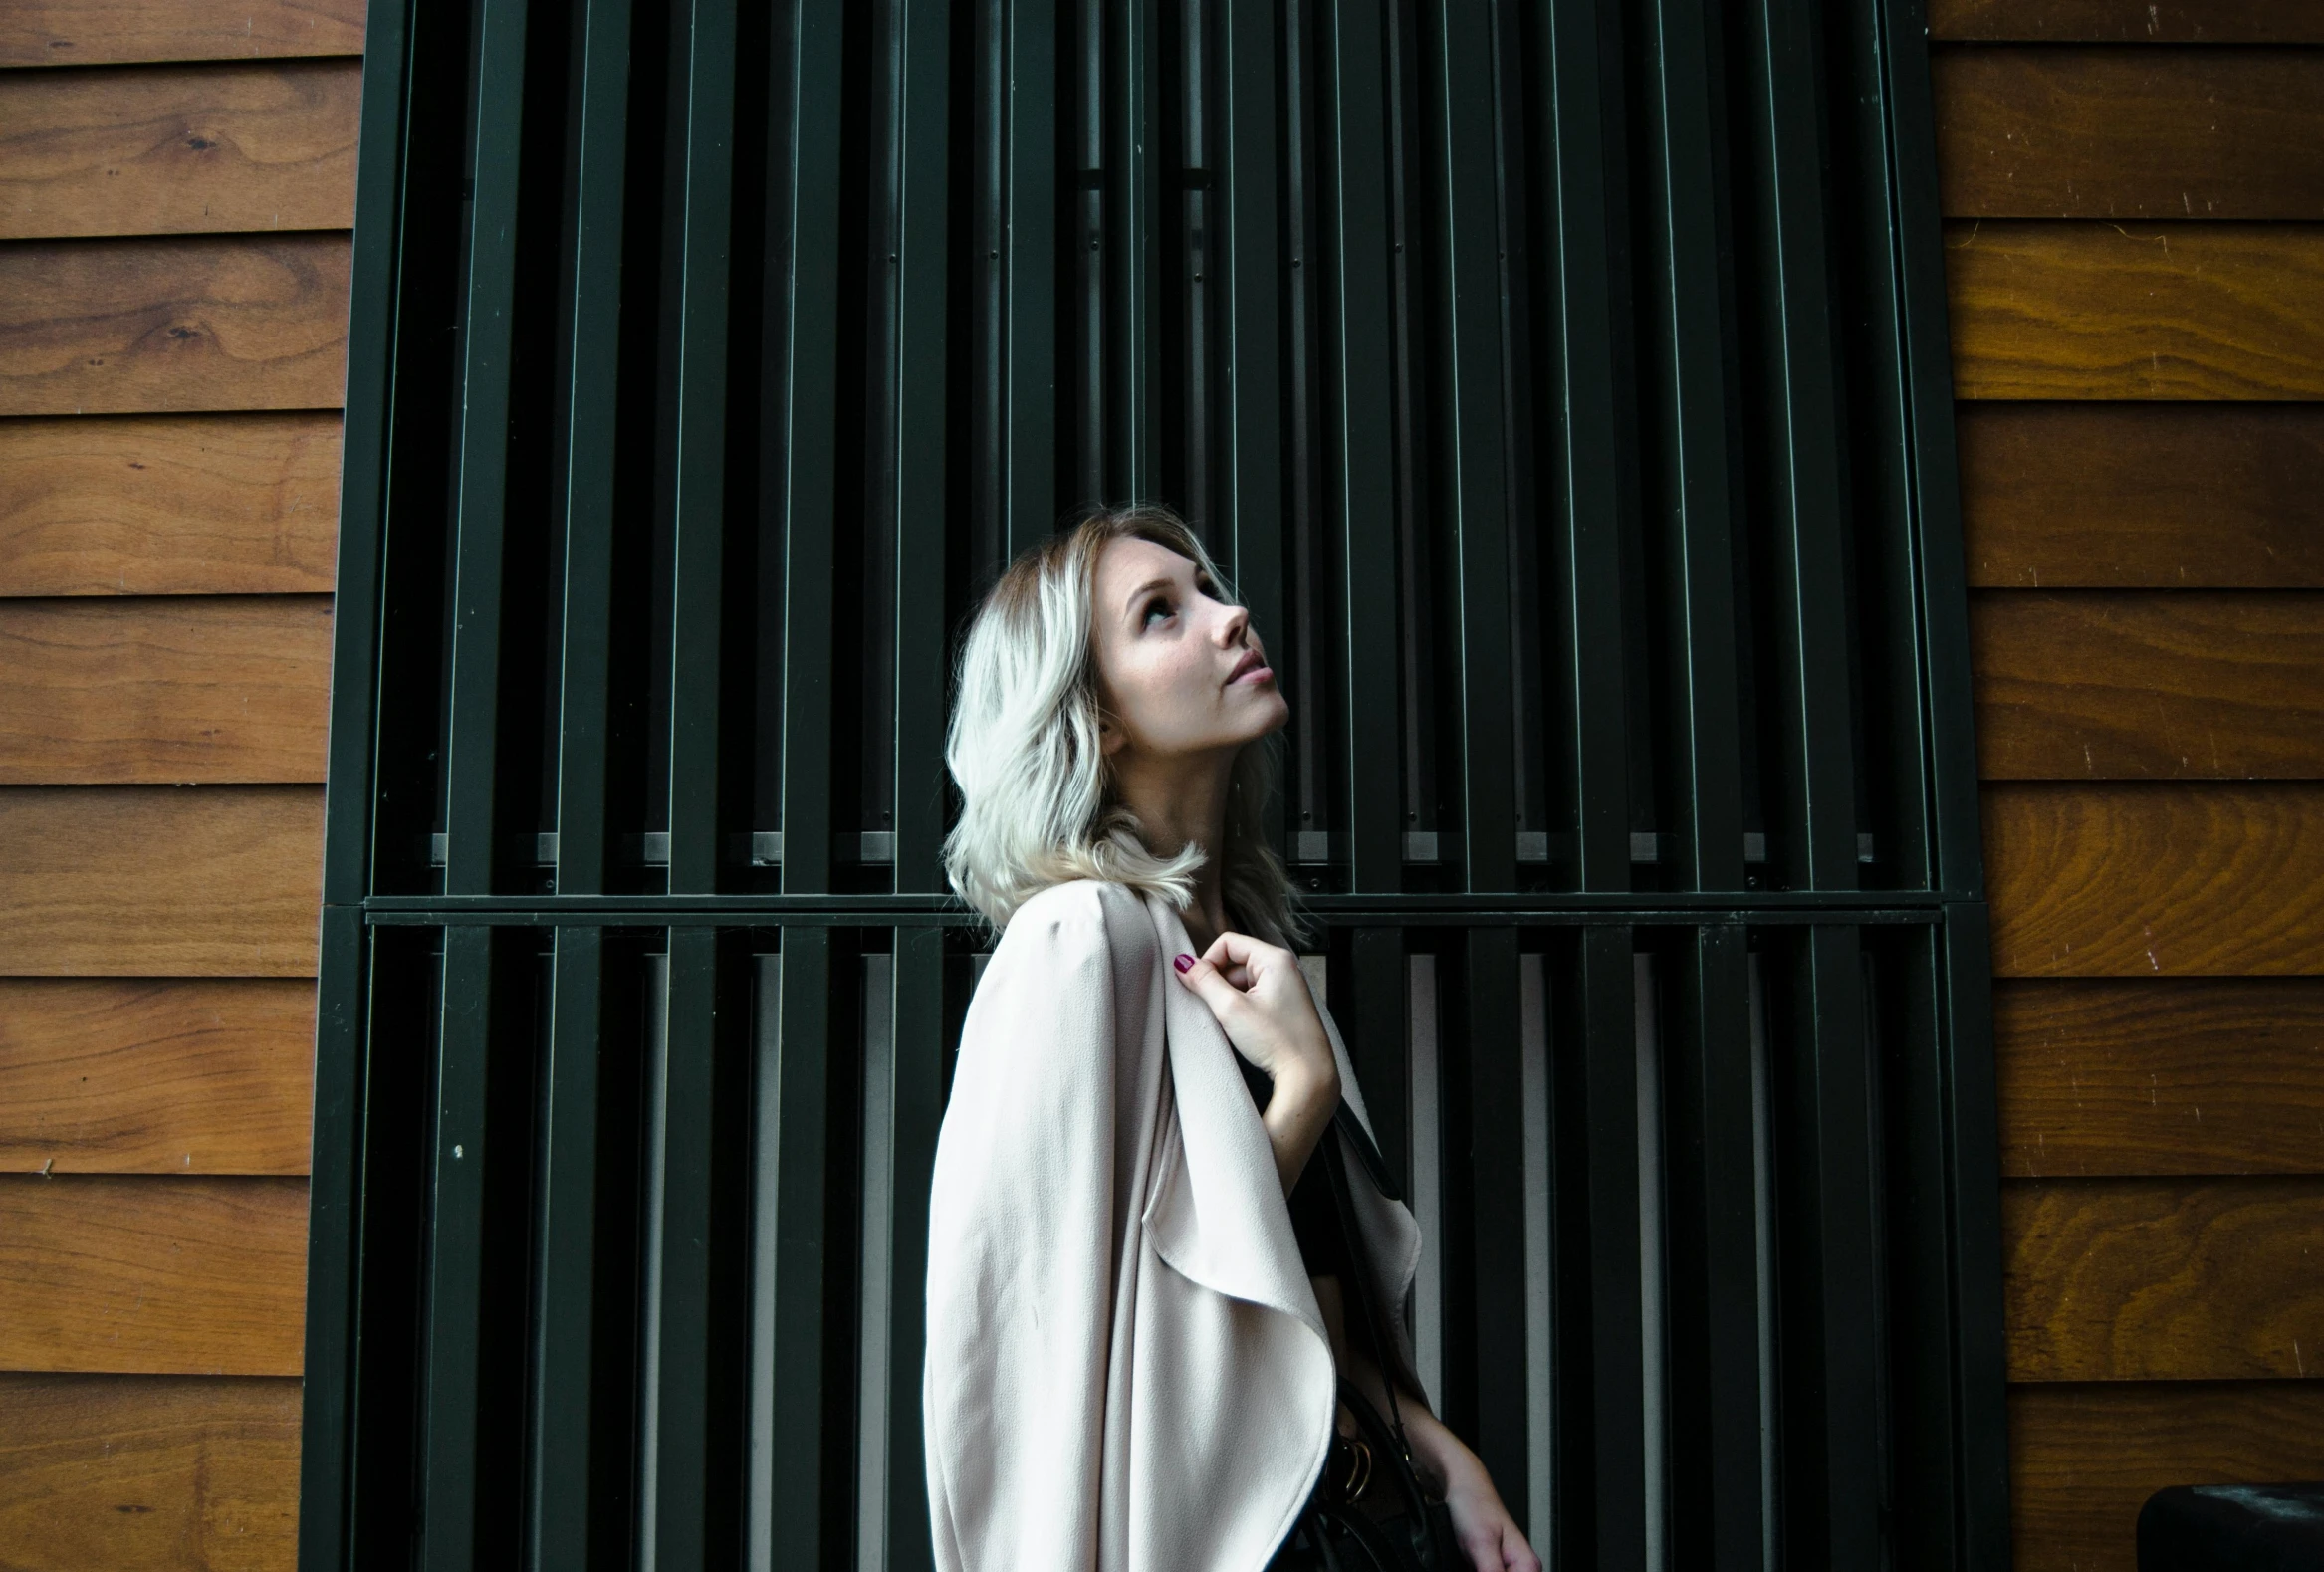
2149 685
169 505
2130 20
2134 134
2088 309
107 326
2163 1278
160 881
178 150
2201 1077
149 1276
114 31
2156 879
148 1473
2154 496
146 1075
178 690
2083 1459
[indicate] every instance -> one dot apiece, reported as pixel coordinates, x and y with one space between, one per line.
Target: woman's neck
1181 802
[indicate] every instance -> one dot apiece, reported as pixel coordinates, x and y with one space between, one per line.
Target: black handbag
1368 1511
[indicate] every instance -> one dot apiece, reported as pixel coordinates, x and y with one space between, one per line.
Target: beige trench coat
1126 1371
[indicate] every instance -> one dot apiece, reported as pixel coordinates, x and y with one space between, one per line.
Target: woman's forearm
1438 1455
1297 1113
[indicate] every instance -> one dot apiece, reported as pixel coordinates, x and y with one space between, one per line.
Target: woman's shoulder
1098 912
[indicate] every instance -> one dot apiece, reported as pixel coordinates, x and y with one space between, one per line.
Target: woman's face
1179 669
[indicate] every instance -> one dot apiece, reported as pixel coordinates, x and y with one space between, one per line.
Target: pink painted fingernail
1183 962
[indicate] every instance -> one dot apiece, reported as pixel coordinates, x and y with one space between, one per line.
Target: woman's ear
1111 736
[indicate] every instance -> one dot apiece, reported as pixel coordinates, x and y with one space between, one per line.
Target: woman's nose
1234 625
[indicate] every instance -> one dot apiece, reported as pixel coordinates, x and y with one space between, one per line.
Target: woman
1129 1366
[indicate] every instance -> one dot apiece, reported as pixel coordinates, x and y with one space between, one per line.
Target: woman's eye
1157 608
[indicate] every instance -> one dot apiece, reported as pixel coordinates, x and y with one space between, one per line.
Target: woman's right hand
1259 997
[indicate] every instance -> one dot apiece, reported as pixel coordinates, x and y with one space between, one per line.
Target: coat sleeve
1021 1252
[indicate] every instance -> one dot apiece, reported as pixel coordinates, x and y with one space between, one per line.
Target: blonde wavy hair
1037 803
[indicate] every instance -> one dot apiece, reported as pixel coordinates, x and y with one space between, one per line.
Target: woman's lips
1250 668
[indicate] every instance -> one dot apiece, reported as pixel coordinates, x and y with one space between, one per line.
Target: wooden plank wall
177 179
2134 199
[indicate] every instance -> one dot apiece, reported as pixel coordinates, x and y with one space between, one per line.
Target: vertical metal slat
1600 1345
1376 986
919 444
698 591
334 1242
1497 1220
1474 472
1199 288
568 1518
809 480
1715 1255
1588 664
1091 247
1367 645
915 1105
691 1523
1030 241
453 1534
1959 854
1706 752
792 1315
1832 1439
1133 126
1973 1166
590 435
472 753
1817 844
1252 265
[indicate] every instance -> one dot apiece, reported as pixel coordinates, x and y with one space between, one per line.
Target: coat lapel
1218 1214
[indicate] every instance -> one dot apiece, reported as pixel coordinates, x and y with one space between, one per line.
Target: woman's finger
1211 986
1232 949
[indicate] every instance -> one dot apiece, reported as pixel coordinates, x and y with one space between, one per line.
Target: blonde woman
1138 1313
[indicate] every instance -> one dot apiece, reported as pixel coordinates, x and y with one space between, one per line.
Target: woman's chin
1272 713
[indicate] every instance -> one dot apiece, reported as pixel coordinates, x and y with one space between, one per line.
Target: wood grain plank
2156 880
169 505
2204 1075
144 1075
2148 683
2129 21
180 689
116 32
178 150
149 1276
2163 1279
2156 496
2083 1459
122 327
2101 131
2074 309
160 881
148 1473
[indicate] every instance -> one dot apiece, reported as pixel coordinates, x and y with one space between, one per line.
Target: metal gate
1565 385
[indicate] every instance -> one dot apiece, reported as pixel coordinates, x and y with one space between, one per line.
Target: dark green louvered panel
1565 385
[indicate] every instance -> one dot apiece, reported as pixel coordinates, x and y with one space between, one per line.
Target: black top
1315 1220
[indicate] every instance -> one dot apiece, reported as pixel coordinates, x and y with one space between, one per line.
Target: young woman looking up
1137 1315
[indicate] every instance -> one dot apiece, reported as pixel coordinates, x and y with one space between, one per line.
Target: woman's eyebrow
1130 603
